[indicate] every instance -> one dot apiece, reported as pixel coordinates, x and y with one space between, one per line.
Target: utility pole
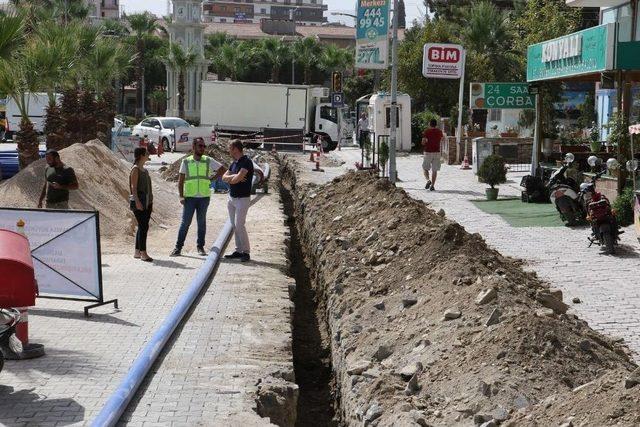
393 133
293 60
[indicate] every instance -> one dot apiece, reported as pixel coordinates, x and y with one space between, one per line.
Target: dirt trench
311 341
421 324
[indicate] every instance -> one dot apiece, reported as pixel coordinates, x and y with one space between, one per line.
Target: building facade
187 30
305 12
104 9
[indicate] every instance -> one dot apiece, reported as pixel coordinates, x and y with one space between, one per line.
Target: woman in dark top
141 200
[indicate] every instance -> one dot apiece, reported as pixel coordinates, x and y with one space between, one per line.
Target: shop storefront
607 56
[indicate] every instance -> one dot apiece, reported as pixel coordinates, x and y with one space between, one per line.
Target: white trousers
238 208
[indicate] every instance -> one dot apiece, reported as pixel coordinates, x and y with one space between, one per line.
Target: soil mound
104 181
217 150
429 326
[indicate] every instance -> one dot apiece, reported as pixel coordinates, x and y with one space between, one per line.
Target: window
495 116
263 11
223 20
623 15
387 120
329 113
146 123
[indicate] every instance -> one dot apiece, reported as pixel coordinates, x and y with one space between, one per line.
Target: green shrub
420 122
624 207
493 171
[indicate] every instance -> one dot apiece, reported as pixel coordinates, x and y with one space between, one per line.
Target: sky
414 8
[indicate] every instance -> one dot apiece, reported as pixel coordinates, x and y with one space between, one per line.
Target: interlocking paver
87 358
608 286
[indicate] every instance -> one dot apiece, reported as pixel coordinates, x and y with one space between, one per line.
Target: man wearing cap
59 180
194 185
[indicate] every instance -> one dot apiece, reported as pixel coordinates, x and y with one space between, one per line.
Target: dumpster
18 284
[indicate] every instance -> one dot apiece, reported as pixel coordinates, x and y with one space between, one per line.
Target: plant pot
595 146
492 193
508 135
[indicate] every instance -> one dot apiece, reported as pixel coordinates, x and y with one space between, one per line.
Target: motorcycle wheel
609 247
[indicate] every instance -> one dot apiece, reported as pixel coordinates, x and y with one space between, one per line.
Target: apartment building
104 9
305 12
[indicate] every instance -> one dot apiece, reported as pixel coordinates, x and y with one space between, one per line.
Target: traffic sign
337 99
505 96
443 61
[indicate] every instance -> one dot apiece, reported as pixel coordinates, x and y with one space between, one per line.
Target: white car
160 129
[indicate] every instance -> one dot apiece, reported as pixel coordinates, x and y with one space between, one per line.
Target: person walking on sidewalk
141 201
194 182
363 129
431 139
239 177
59 180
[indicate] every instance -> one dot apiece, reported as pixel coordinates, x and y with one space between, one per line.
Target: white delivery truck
239 107
36 106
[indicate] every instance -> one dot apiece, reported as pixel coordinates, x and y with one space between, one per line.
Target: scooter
9 343
605 230
564 194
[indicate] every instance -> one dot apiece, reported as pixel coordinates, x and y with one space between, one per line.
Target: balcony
595 3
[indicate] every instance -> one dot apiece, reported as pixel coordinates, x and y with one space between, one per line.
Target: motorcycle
9 343
564 194
605 230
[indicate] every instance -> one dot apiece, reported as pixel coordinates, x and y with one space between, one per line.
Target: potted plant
594 138
509 133
493 172
383 156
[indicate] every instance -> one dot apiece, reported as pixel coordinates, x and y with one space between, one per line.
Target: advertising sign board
372 34
65 247
585 52
185 136
505 96
443 61
124 146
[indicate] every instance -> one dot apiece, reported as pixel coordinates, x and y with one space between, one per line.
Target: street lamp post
293 58
393 133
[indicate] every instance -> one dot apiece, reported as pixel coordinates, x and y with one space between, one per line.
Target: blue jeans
197 205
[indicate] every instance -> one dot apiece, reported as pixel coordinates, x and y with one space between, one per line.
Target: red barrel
17 278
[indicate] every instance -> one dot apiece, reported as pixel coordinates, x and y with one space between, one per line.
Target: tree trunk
181 95
27 139
54 127
139 79
275 74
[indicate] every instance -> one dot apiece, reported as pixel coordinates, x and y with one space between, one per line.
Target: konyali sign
585 52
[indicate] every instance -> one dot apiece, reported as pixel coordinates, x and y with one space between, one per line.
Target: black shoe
245 257
433 188
427 185
234 255
201 251
176 252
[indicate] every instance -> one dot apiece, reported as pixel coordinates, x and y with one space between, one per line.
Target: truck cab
327 125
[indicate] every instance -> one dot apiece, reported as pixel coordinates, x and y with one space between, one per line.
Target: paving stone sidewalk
608 286
213 364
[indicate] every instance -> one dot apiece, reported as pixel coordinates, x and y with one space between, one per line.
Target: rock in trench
383 352
409 301
359 367
486 296
452 313
494 318
412 386
410 370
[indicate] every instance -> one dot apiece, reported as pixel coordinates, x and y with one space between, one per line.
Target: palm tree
274 53
11 34
224 59
307 51
181 61
18 79
142 25
333 58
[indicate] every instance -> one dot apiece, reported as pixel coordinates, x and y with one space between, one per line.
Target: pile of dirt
104 182
429 326
218 150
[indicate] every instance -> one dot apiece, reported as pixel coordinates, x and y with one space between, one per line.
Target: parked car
159 129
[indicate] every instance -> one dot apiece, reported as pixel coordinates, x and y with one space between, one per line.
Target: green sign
503 96
372 34
585 52
628 57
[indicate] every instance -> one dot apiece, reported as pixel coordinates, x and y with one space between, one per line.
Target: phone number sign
505 96
372 34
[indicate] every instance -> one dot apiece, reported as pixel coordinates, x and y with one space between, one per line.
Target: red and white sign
443 61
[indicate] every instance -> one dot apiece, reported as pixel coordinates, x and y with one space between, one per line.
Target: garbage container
18 284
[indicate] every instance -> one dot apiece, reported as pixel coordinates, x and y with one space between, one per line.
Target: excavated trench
311 340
